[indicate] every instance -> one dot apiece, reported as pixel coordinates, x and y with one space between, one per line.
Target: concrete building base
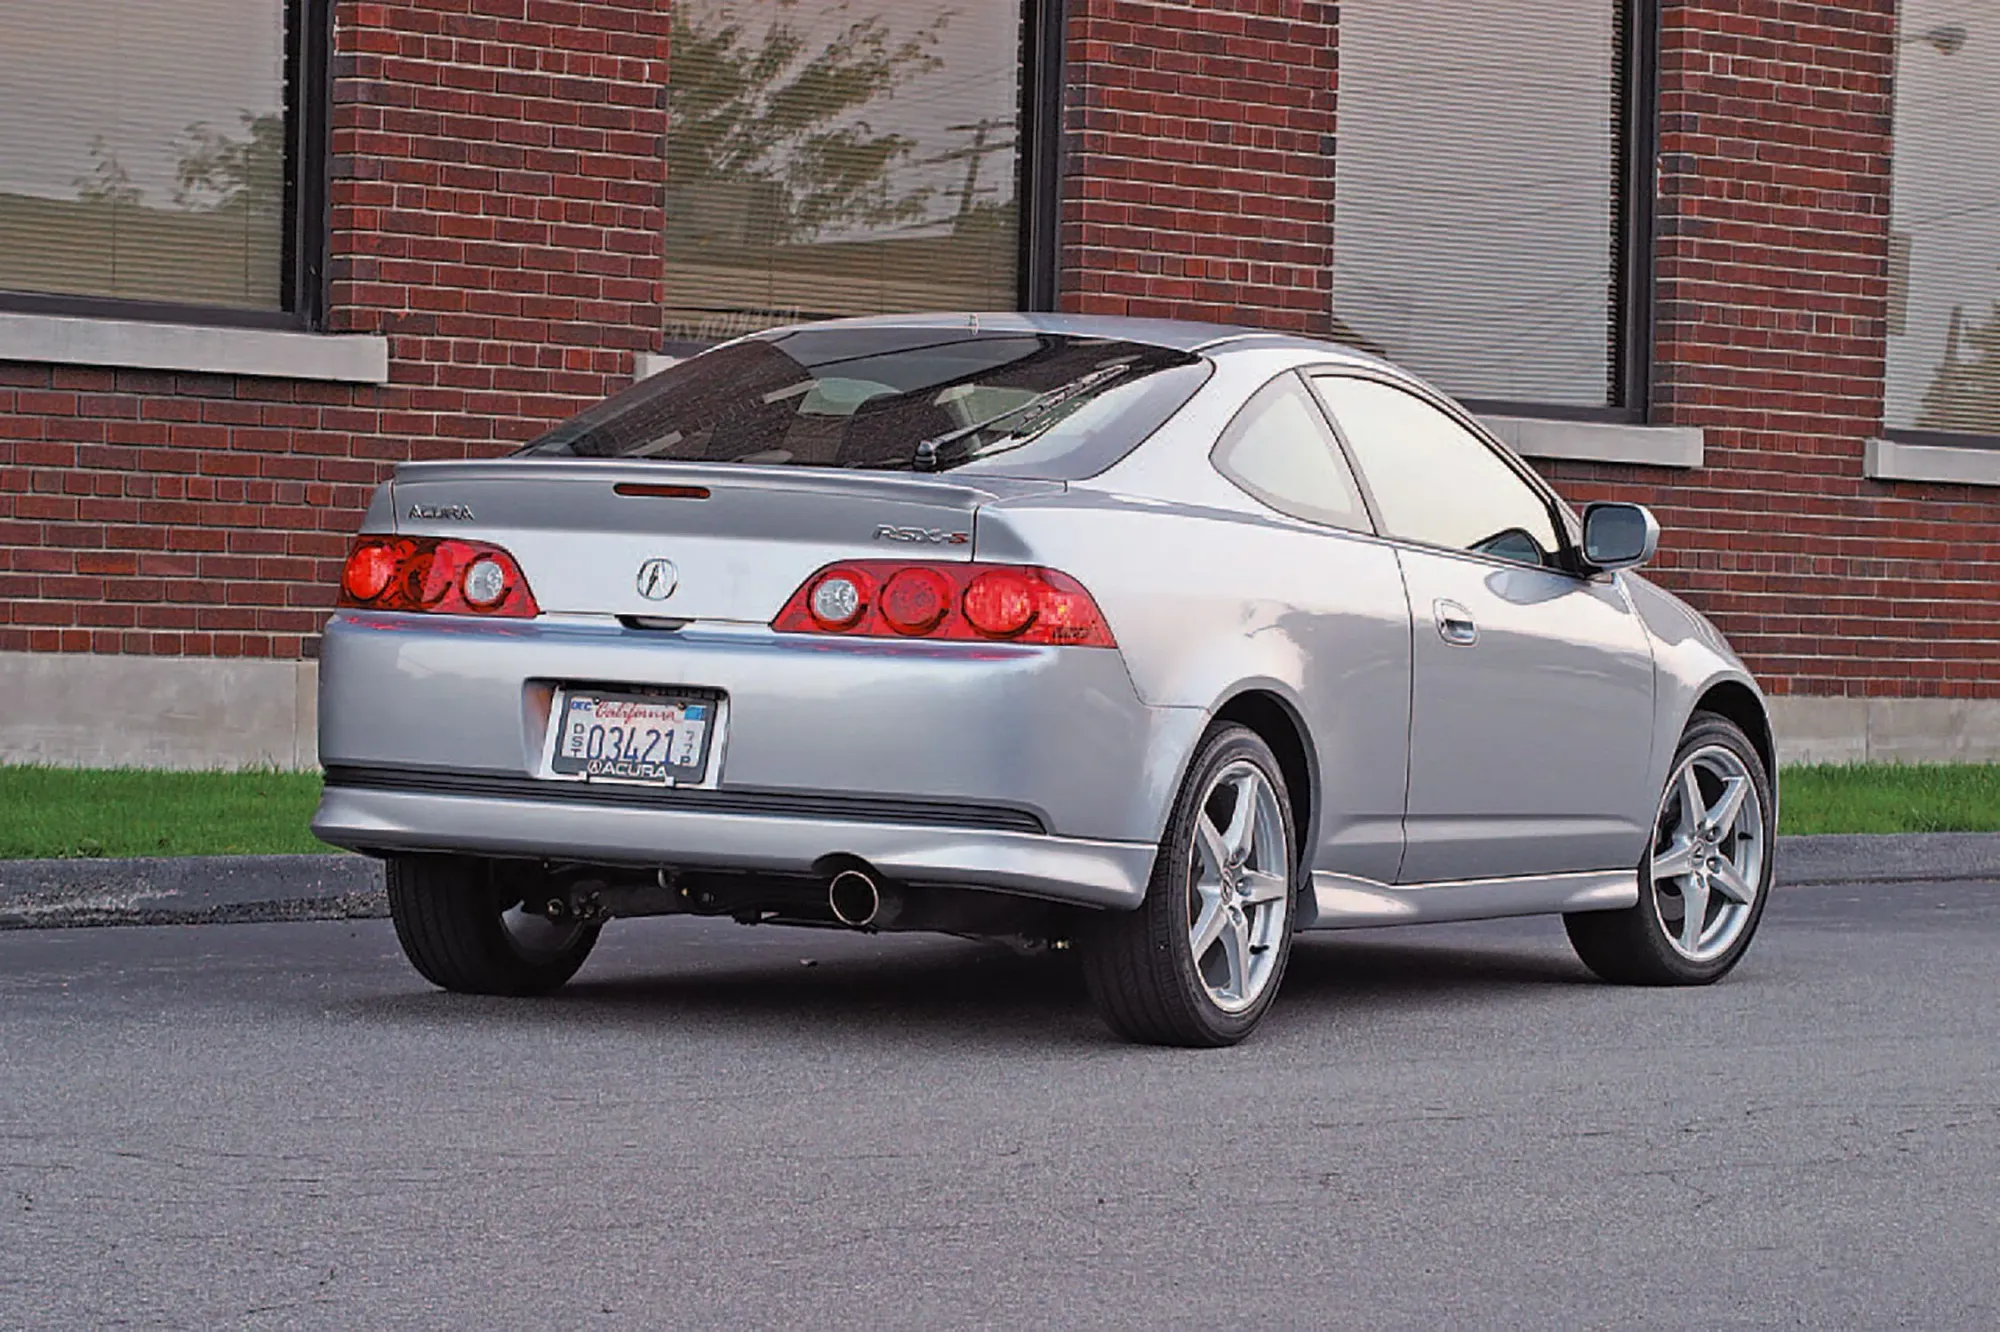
1887 730
78 710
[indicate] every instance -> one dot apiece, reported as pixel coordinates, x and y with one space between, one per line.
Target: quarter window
1279 450
1433 480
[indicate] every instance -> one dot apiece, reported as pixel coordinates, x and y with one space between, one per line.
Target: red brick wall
1775 142
496 213
1198 176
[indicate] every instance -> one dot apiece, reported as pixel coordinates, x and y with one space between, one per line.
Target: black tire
1139 965
451 918
1632 946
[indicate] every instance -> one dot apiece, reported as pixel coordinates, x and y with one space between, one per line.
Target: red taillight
437 574
369 569
1000 603
914 600
961 602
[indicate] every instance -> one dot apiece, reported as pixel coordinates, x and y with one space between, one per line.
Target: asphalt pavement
1451 1126
49 894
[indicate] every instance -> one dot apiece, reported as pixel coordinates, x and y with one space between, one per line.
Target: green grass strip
65 813
1890 798
51 813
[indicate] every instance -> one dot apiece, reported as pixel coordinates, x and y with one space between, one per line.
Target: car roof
1175 334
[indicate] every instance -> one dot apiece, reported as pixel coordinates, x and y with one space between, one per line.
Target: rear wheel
1199 962
1706 875
462 926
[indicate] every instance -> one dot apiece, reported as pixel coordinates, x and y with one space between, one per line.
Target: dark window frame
308 95
1944 439
1976 441
1632 295
1044 28
1037 166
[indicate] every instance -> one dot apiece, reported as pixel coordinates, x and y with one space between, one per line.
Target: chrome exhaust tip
855 898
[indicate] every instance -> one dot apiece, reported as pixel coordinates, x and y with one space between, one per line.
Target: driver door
1531 686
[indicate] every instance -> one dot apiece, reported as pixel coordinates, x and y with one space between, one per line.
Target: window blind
1943 371
840 160
142 149
1476 196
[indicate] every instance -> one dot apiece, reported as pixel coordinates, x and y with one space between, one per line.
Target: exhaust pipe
857 900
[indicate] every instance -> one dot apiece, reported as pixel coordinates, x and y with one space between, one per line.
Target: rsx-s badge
455 513
933 536
658 579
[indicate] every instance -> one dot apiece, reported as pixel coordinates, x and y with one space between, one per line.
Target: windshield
895 399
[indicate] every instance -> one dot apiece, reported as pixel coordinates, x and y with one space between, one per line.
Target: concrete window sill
1598 441
1886 460
351 358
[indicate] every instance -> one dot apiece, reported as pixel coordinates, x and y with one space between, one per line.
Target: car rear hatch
736 540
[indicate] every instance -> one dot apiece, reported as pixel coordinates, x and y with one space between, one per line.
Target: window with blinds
142 150
1943 371
1478 194
827 160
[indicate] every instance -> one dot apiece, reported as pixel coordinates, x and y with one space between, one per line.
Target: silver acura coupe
1163 641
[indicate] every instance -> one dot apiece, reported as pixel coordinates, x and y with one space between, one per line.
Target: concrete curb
188 890
198 890
1888 858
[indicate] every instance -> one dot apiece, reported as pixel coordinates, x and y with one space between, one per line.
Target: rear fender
1206 603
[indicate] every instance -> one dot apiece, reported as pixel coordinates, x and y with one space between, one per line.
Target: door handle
1455 624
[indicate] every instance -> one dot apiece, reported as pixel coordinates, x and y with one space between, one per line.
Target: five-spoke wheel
1239 890
1706 875
1708 853
1199 962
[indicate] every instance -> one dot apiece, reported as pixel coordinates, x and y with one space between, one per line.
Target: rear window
895 399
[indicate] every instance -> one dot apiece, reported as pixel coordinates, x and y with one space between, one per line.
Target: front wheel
1706 874
1199 962
462 926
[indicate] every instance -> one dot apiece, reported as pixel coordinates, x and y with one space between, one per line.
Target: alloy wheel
1709 844
1238 887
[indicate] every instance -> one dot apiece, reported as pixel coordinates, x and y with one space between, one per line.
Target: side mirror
1619 536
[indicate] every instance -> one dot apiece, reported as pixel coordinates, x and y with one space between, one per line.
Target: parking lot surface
281 1125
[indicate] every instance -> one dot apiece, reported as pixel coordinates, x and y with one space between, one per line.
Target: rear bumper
1062 869
1058 734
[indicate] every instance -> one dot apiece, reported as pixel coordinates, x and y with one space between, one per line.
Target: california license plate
651 739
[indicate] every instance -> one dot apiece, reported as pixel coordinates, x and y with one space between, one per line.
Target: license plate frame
574 709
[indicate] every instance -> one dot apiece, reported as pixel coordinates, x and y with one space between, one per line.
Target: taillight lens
957 602
915 600
1000 603
438 574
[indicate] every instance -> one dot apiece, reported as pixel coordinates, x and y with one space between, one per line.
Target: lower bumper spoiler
1061 869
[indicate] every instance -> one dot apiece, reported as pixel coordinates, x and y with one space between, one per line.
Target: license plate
648 739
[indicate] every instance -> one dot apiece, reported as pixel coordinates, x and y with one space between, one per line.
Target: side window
1433 480
1279 450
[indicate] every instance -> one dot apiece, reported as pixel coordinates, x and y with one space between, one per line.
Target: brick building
1736 259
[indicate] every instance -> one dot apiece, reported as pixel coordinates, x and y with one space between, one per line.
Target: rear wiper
931 454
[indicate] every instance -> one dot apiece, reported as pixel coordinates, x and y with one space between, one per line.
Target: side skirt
1346 903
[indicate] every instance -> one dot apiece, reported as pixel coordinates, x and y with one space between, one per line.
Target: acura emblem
658 579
